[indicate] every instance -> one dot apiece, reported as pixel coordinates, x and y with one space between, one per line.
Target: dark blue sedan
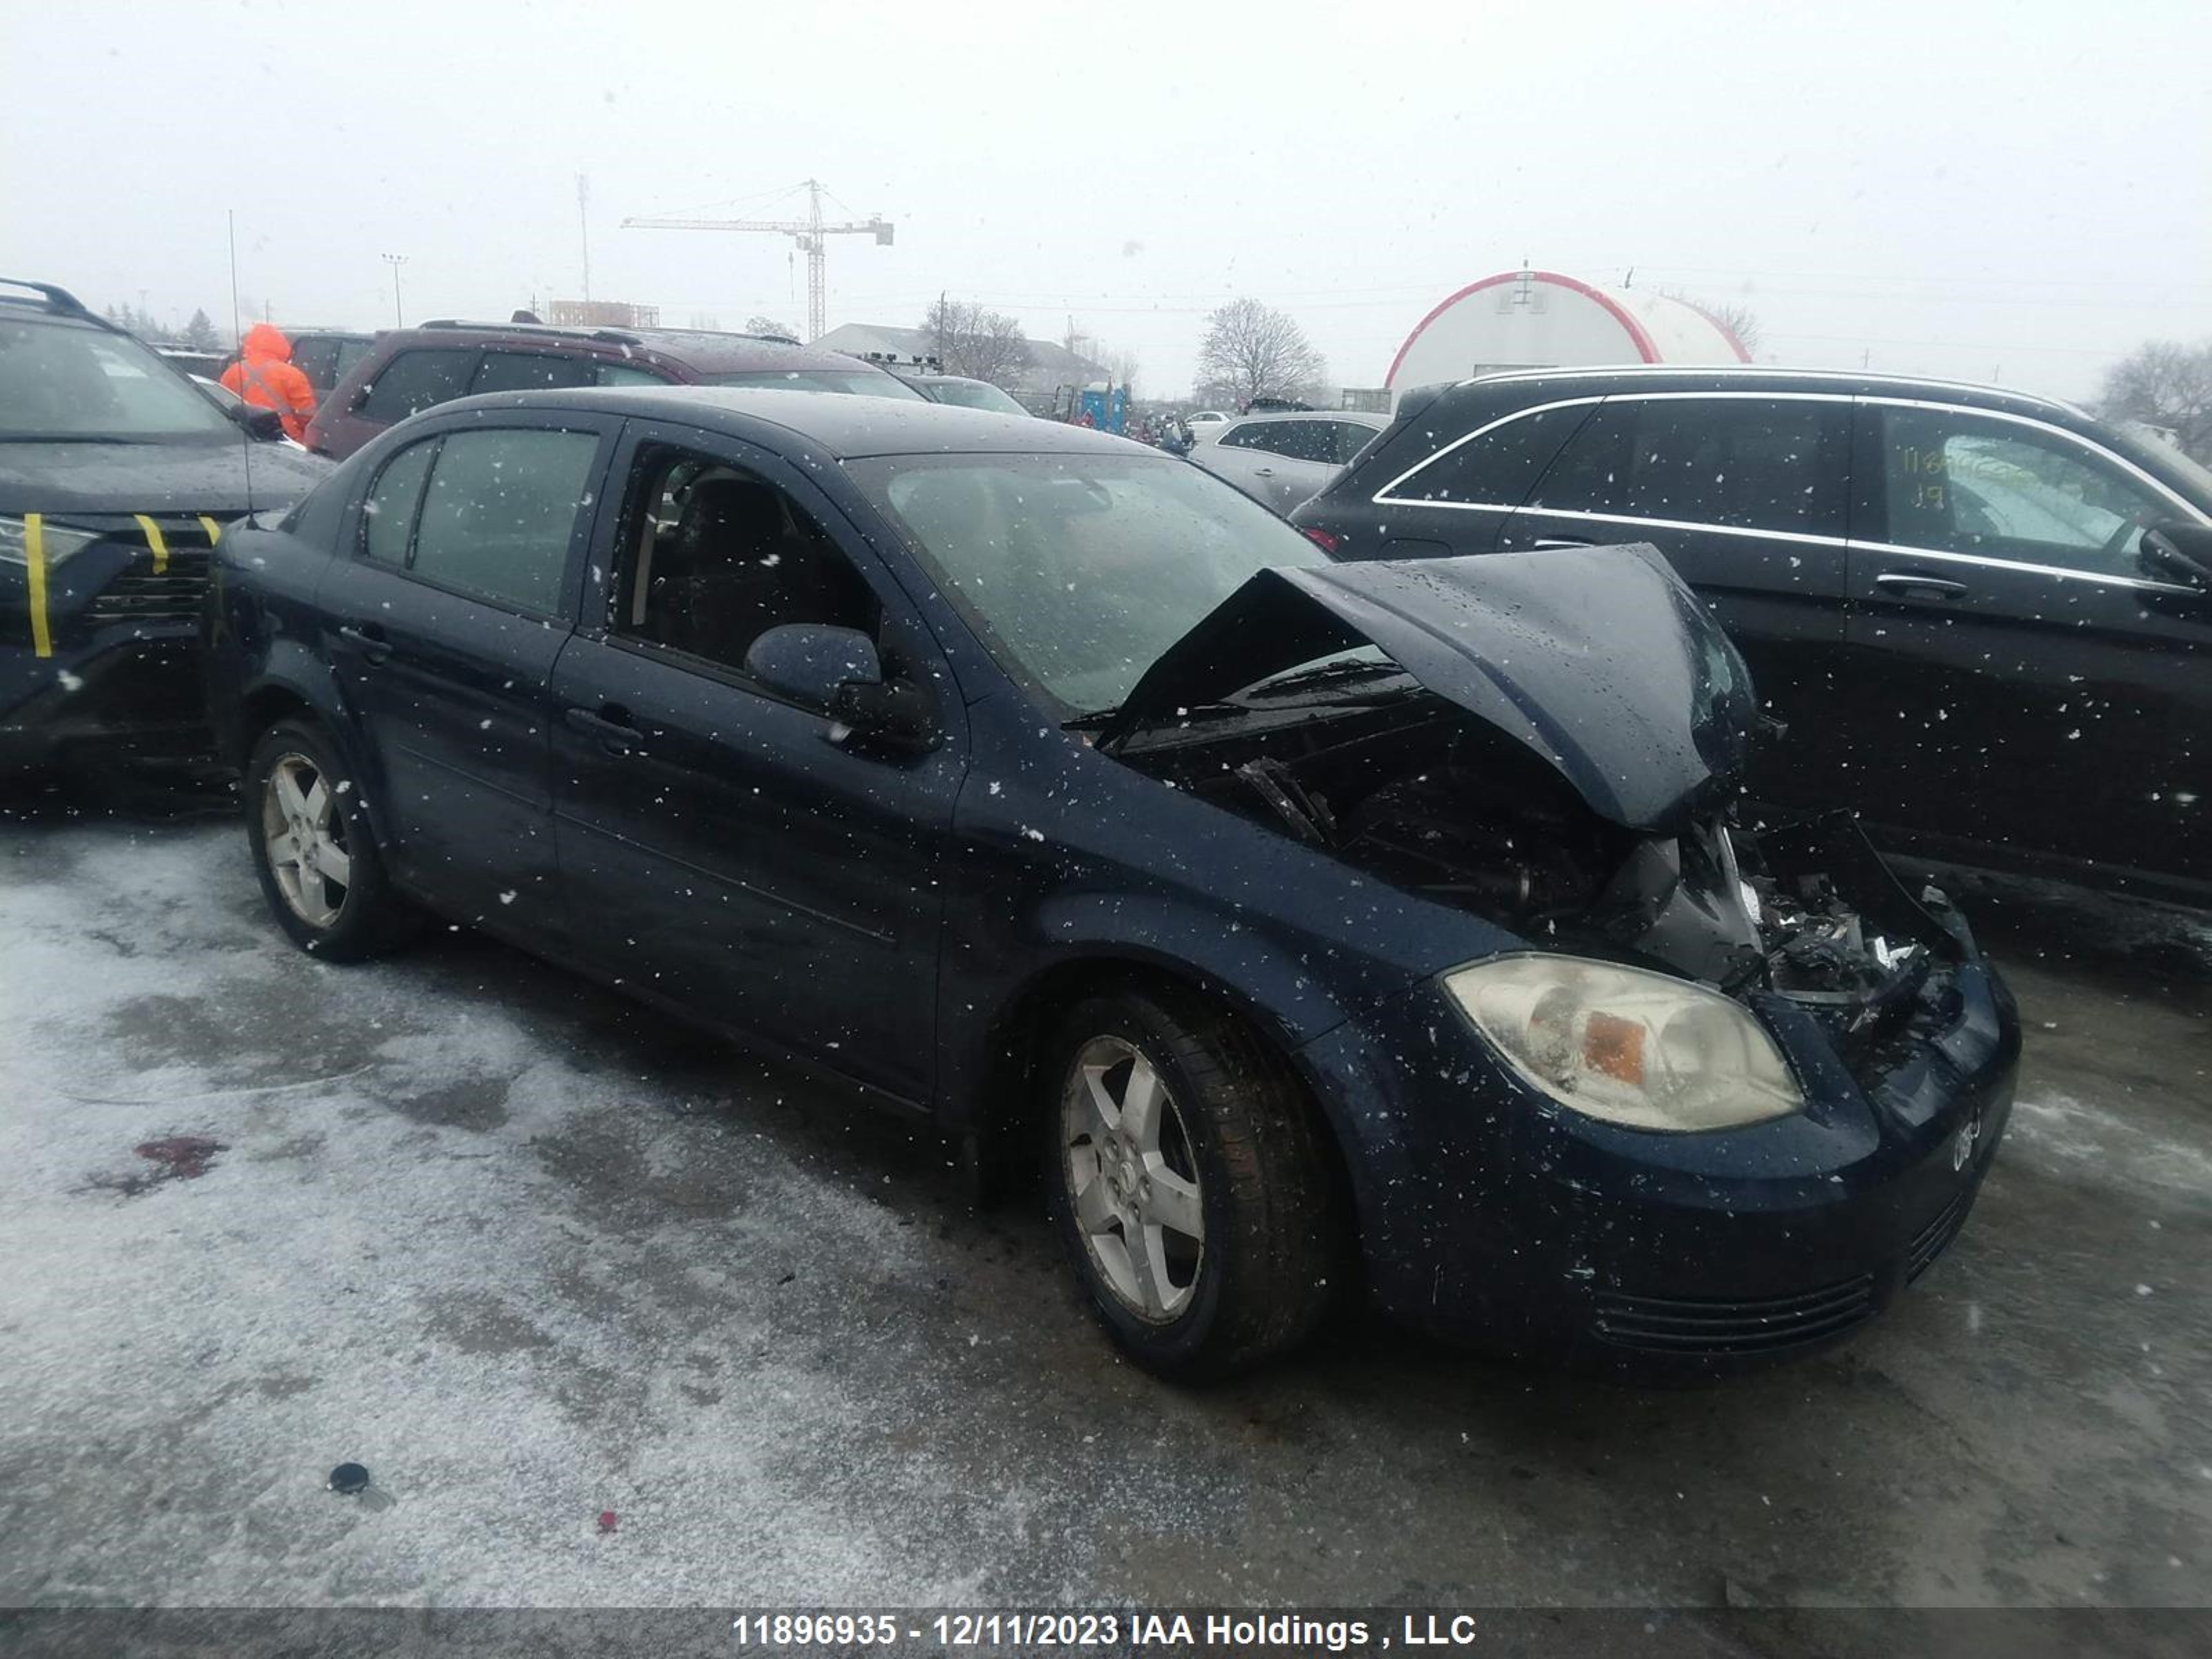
1306 923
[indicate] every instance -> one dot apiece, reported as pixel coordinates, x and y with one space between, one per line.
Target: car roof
1359 415
846 426
1739 377
707 350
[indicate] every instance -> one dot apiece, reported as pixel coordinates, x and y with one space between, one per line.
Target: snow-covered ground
531 1256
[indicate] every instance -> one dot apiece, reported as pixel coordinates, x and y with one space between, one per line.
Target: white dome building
1540 319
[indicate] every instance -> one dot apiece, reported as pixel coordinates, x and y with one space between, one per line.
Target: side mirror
265 424
838 670
2177 548
810 663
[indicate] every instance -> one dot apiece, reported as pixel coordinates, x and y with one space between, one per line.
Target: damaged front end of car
1749 1081
1555 742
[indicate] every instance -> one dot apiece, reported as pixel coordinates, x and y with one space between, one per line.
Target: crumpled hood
265 343
1600 661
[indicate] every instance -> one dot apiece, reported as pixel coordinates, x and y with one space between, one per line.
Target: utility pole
584 228
807 232
395 260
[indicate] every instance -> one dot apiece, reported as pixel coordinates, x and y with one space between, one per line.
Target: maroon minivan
411 369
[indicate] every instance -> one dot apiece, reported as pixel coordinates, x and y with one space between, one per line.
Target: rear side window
1498 467
416 380
628 374
1748 463
500 511
390 510
1351 439
532 371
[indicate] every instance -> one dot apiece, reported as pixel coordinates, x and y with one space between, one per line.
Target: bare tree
1251 350
2164 384
769 325
1734 315
984 345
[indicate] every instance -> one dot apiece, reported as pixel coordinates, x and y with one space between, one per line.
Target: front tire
317 862
1191 1184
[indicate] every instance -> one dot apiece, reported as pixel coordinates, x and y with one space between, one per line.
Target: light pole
395 260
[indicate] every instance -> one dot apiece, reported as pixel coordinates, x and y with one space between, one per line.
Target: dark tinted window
719 556
1752 463
1499 467
1300 441
1350 437
417 380
319 360
388 515
1962 482
1251 435
532 371
500 510
628 374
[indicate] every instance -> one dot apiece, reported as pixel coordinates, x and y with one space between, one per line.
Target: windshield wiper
1317 673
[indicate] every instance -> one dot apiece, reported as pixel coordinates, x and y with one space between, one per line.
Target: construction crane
807 232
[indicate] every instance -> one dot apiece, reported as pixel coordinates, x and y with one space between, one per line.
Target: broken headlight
1627 1046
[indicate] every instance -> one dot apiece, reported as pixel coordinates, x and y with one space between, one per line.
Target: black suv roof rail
612 336
59 298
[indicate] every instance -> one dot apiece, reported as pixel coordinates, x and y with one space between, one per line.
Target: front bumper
1491 1216
118 672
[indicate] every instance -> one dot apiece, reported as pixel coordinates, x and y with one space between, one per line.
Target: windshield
975 394
862 382
61 381
1078 570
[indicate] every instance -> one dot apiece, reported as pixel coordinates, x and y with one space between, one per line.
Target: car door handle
368 639
1563 541
1907 581
611 726
1263 472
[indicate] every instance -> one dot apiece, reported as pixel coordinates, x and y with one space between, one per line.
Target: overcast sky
2020 190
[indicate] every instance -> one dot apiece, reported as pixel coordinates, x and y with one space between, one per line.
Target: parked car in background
1281 459
1295 919
117 474
969 394
1985 616
1208 423
326 356
405 371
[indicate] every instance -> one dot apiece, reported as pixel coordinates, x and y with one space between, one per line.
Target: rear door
2037 686
1281 462
725 849
1746 494
445 621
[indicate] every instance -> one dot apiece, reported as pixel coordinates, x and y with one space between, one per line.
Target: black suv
1984 617
117 474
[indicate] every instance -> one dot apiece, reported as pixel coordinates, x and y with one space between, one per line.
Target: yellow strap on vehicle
209 525
34 569
153 540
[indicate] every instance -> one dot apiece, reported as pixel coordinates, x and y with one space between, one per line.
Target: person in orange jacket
265 377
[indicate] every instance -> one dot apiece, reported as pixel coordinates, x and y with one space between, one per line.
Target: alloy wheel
1131 1179
303 834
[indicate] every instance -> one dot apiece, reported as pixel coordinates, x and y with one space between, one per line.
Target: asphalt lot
530 1254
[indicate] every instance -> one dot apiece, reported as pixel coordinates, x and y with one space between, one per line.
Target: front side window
499 513
1749 463
719 557
1253 436
1078 570
417 380
1956 482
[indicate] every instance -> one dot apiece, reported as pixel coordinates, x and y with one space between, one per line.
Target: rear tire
313 848
1192 1185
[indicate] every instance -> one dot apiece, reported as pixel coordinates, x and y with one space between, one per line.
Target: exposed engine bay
1367 766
